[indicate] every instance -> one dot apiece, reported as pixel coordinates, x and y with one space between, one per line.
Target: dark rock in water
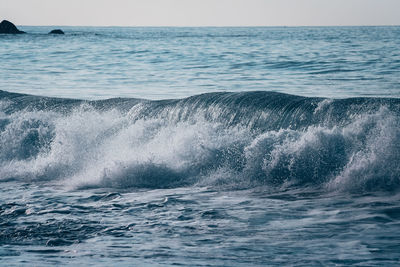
57 31
8 27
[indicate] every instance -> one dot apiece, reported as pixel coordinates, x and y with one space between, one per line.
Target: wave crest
222 139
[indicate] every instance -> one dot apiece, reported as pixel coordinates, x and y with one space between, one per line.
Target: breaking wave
228 140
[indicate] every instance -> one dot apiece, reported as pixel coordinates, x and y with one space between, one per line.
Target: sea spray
238 140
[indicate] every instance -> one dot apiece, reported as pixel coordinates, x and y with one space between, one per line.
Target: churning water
200 146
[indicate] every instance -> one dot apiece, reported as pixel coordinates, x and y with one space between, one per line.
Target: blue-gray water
200 146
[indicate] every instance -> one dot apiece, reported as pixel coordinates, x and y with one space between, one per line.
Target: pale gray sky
201 12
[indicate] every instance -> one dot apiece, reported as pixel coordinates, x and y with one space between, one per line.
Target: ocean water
200 146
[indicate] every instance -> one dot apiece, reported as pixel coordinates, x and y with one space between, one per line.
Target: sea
209 146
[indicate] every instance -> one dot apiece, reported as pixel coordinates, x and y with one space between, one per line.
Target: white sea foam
93 148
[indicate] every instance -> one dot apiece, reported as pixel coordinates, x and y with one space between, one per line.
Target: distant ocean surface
264 146
159 63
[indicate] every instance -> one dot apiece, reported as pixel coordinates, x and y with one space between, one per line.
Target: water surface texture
200 147
161 63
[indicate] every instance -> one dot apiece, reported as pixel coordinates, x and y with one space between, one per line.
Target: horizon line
214 26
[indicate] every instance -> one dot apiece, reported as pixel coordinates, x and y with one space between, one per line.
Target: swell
229 140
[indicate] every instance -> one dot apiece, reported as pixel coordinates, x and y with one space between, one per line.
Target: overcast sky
201 12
